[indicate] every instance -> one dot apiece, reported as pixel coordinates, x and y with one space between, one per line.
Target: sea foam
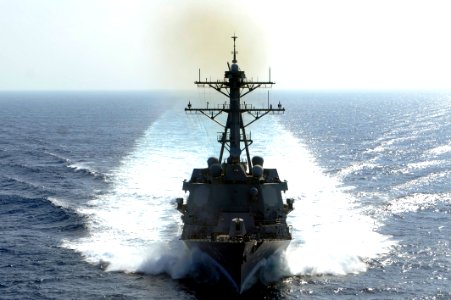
135 227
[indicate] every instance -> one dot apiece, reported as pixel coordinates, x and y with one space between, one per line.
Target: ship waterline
238 261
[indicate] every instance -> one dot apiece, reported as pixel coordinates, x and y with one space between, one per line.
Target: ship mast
235 86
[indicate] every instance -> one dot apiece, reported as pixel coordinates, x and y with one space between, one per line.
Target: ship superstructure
235 212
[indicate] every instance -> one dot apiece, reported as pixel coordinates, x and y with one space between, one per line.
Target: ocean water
88 184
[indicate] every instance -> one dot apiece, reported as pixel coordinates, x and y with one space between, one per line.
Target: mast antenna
234 86
234 37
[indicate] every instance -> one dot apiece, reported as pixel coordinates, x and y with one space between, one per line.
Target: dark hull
238 260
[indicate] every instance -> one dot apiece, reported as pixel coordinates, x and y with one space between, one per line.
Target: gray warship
234 211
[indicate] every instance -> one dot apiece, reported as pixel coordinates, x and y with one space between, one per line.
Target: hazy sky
156 44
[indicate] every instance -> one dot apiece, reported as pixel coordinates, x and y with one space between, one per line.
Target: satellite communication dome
257 171
212 160
215 170
257 160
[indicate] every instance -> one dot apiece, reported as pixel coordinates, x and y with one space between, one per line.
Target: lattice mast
235 86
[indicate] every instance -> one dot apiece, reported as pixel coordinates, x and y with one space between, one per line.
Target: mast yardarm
235 86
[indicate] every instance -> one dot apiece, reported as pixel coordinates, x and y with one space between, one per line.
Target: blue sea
88 182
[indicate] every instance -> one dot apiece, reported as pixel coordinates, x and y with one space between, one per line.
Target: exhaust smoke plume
195 35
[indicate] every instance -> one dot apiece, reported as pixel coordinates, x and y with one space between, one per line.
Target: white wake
135 226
